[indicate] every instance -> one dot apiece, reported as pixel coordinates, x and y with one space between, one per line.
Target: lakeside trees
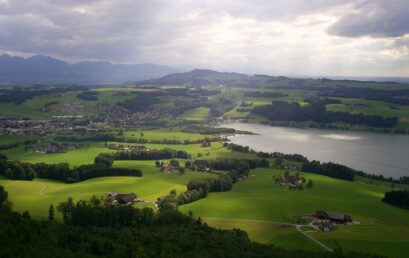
329 169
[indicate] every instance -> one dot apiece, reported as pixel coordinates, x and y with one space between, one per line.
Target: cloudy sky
280 37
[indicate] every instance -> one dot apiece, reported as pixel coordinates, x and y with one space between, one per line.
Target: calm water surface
374 153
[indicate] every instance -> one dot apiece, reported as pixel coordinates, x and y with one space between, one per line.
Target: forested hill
203 77
48 70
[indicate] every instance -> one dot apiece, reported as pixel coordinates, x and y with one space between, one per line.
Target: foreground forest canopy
144 170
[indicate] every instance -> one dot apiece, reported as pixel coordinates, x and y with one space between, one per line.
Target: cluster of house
293 167
115 198
116 115
168 168
326 220
71 107
41 127
56 148
122 147
290 180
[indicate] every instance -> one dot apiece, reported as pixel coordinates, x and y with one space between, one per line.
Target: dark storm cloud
375 18
119 30
86 29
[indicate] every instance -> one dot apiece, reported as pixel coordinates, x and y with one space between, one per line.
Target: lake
374 153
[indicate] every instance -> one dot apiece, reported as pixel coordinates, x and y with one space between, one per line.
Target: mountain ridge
16 70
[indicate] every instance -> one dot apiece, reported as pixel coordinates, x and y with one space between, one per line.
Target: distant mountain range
41 69
48 70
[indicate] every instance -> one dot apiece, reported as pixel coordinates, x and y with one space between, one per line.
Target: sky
280 37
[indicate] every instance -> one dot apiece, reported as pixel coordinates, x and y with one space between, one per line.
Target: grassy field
196 114
259 198
36 196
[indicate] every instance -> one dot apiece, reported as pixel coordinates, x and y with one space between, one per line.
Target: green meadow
36 196
196 114
265 204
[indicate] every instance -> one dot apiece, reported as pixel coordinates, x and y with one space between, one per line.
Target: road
298 227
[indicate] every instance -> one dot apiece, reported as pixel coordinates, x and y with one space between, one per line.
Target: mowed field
258 205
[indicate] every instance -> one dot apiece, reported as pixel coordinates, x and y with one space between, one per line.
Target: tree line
18 170
264 94
147 155
329 169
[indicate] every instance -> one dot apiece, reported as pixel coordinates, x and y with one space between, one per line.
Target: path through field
42 189
298 227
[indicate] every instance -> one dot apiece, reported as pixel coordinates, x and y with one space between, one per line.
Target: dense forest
316 112
89 230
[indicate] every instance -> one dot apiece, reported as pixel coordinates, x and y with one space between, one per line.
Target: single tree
51 212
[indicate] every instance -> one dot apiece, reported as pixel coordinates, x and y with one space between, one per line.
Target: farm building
327 226
123 199
333 216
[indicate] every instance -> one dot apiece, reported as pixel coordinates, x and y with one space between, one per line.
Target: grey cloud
375 18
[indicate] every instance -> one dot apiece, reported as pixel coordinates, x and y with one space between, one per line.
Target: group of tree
316 112
291 157
149 154
90 230
264 94
265 155
329 169
62 172
199 188
398 198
